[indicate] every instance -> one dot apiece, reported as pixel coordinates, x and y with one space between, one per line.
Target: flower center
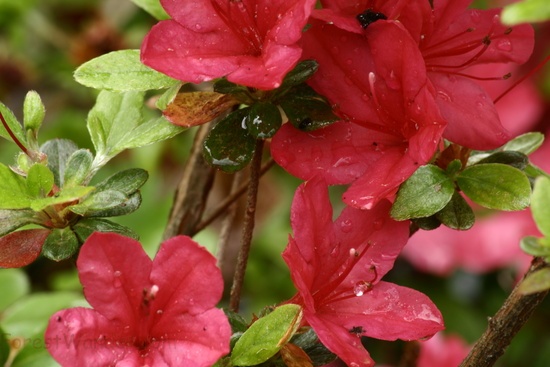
369 16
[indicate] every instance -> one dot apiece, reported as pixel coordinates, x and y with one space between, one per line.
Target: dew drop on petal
198 27
504 44
117 283
159 312
361 288
346 226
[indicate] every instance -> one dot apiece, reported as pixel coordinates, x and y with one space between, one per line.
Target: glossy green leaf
229 146
307 110
58 151
538 281
13 125
535 246
102 200
33 111
40 181
526 143
511 158
427 223
121 71
64 196
301 72
127 181
14 284
153 7
526 11
240 92
267 335
79 169
13 190
426 192
10 220
263 120
457 214
496 186
85 227
60 244
29 316
540 205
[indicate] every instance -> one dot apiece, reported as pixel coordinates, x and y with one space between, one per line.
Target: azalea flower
251 42
145 313
337 267
405 74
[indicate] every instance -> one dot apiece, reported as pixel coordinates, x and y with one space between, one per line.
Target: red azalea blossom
337 266
145 313
251 42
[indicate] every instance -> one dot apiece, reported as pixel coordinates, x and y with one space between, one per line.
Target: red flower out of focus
337 266
404 74
251 42
155 313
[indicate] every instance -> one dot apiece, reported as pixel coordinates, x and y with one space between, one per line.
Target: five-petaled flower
251 42
145 313
337 266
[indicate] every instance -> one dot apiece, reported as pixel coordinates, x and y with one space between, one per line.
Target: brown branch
506 323
248 227
192 190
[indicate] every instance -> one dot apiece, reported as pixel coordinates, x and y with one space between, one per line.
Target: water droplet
346 226
504 44
377 224
117 282
365 97
361 288
159 312
198 27
444 96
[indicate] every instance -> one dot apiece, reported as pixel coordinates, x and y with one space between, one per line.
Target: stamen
486 41
450 39
503 77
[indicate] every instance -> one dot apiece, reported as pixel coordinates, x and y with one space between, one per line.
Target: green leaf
14 284
127 181
13 190
60 244
526 143
427 223
263 120
33 111
78 169
306 109
58 152
526 11
511 158
29 316
129 205
121 71
64 196
457 214
426 192
535 246
35 354
102 200
538 281
240 92
10 220
168 96
150 132
40 181
540 205
13 125
301 72
496 186
152 7
267 335
229 146
237 322
85 227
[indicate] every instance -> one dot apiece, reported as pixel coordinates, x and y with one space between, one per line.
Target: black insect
369 16
357 330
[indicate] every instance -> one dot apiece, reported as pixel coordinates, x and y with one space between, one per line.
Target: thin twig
248 227
231 198
506 323
192 191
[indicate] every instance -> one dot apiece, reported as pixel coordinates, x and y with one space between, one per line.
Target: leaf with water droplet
60 244
425 193
496 186
229 146
267 335
197 108
263 120
306 109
